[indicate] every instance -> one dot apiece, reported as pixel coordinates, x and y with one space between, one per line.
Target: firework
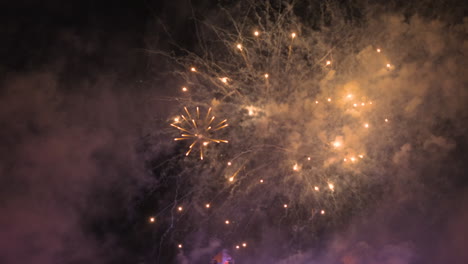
198 130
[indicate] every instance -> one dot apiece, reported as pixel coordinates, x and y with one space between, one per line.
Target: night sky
87 157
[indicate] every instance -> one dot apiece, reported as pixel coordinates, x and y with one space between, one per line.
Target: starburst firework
199 130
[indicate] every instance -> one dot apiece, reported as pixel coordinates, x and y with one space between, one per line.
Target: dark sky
83 134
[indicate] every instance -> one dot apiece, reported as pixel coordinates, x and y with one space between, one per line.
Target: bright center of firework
199 130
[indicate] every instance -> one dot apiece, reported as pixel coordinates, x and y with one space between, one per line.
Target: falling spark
176 119
239 46
316 102
293 35
261 181
266 75
180 208
199 130
229 163
328 62
355 105
361 156
329 99
256 33
231 179
237 247
207 205
316 188
152 219
331 186
180 246
224 79
366 125
193 69
349 96
353 159
184 89
388 65
285 206
295 167
227 222
322 212
337 144
244 244
308 158
386 120
378 50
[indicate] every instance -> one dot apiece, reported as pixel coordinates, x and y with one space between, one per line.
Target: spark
229 163
285 206
237 247
316 102
224 79
152 219
349 96
207 205
337 144
231 179
316 188
322 212
388 65
261 180
180 208
363 104
227 222
266 75
256 33
184 89
244 244
361 156
176 120
293 35
193 69
308 158
353 159
355 105
180 246
378 50
386 120
329 99
295 167
199 130
239 46
331 186
328 62
366 125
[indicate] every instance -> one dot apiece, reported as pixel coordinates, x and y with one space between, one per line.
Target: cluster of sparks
197 129
200 131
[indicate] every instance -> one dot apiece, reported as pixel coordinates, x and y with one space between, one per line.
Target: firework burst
199 130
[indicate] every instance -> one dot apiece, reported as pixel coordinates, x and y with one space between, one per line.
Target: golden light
370 102
355 105
345 159
176 119
366 125
244 244
152 219
224 79
261 181
353 159
184 89
229 163
388 65
316 102
193 69
237 247
337 144
293 35
227 222
378 50
328 62
256 33
231 179
361 156
285 206
316 188
363 104
207 205
386 120
322 212
308 158
331 186
180 245
266 75
329 99
251 112
349 96
239 46
295 167
180 208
